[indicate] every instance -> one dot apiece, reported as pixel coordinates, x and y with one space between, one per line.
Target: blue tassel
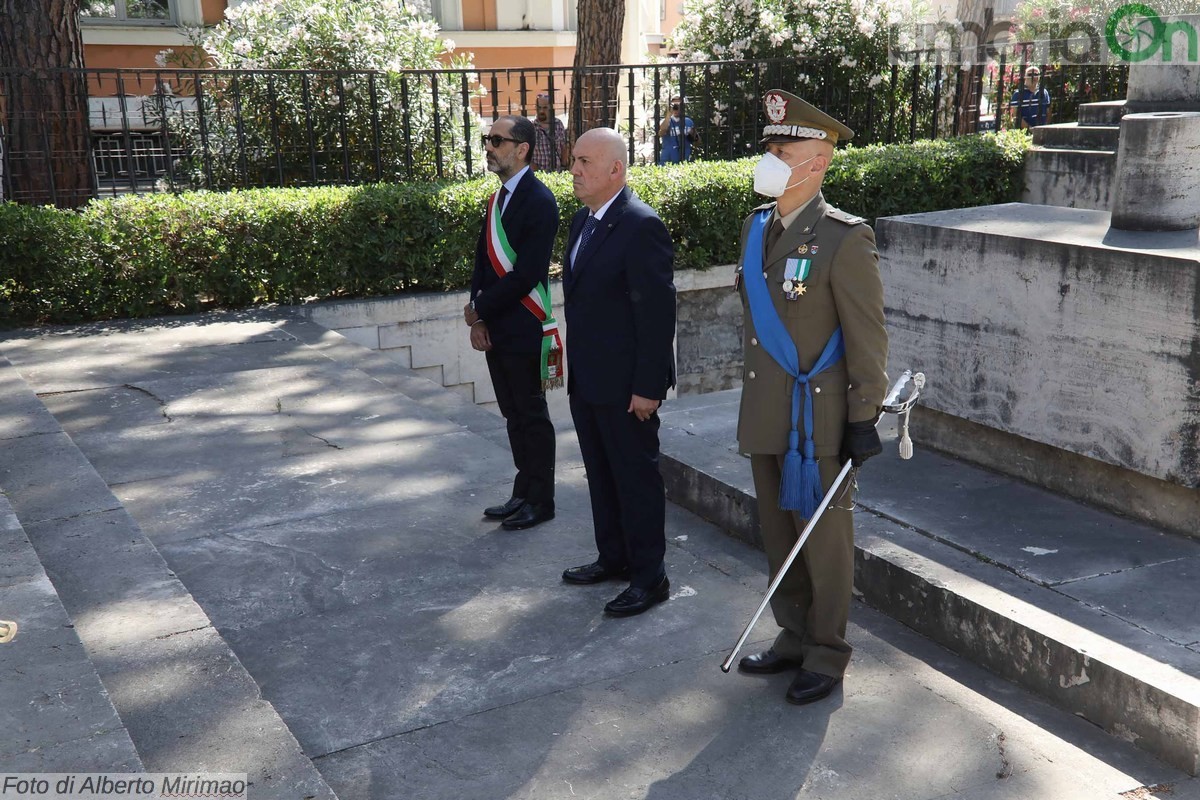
810 488
800 487
791 487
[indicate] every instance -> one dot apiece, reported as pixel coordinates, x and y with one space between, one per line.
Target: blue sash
800 489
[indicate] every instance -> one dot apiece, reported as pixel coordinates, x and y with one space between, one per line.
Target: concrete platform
1092 611
317 518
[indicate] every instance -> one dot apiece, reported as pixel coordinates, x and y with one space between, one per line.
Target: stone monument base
1057 349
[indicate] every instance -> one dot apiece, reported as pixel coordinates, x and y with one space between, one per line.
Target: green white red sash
502 257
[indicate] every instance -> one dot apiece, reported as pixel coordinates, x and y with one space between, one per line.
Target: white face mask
772 173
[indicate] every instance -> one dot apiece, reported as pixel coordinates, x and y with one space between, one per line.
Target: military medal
794 273
814 249
802 249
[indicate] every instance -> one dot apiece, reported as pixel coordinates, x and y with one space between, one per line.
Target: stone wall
425 332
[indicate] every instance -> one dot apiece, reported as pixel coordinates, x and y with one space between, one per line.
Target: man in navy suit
620 311
511 317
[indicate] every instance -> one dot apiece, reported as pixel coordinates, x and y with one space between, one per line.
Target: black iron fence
168 130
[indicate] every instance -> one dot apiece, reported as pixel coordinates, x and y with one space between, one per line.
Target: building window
128 11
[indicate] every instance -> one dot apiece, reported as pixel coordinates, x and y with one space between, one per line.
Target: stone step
185 702
1075 136
1070 178
1108 112
1035 602
73 726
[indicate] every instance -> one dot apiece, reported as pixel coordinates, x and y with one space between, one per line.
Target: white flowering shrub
833 53
349 115
758 29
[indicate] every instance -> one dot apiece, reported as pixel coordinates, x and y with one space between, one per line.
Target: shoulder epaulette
842 216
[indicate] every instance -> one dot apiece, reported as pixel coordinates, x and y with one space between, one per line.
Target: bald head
611 143
600 163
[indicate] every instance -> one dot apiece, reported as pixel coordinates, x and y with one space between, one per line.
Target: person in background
1030 104
677 133
550 150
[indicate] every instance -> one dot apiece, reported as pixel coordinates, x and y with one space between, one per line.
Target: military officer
814 382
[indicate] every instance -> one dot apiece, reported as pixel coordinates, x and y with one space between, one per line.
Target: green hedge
137 256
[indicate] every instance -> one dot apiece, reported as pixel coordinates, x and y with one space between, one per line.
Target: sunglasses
674 106
496 139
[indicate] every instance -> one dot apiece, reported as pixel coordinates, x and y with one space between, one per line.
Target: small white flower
161 58
449 44
242 47
875 81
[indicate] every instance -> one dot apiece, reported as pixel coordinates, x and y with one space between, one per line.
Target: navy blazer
620 306
530 223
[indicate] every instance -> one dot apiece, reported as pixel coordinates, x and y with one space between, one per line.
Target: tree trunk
598 43
976 17
46 141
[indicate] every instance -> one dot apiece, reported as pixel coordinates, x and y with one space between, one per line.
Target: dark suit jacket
531 223
620 306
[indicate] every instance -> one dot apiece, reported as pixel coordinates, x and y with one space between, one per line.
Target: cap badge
776 107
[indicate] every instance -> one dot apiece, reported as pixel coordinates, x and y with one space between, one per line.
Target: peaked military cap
790 119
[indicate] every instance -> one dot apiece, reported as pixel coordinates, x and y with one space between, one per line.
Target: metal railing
169 130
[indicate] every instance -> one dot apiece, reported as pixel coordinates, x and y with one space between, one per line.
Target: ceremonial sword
892 404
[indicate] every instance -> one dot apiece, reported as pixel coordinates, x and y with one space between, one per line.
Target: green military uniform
842 288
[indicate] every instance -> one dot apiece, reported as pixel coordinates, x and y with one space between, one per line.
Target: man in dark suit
512 320
620 311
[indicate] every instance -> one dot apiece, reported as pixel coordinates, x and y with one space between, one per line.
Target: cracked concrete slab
112 581
190 445
451 646
1171 610
229 496
46 477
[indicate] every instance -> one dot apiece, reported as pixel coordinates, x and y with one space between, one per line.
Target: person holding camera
678 134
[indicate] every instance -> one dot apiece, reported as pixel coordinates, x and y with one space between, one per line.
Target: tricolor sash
800 488
502 257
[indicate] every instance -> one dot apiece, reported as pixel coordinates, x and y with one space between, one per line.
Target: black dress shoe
594 573
506 509
768 662
808 687
527 516
635 600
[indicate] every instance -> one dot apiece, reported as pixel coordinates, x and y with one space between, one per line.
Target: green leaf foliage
148 255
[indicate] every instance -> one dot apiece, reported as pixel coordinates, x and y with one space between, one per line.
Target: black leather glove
860 441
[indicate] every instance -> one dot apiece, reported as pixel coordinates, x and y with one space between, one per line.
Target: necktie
503 194
589 227
773 235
